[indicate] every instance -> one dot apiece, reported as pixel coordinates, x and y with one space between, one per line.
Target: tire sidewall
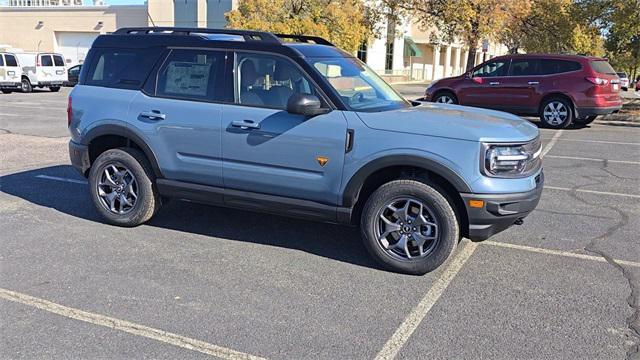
439 206
26 86
566 122
445 93
147 200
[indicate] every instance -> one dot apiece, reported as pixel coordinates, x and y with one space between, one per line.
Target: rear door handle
533 83
245 124
494 83
152 115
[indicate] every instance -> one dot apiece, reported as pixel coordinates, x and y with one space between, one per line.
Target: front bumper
500 211
79 155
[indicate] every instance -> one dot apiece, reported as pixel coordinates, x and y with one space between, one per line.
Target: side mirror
305 104
477 80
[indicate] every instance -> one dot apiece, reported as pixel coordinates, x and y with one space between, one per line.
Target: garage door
74 45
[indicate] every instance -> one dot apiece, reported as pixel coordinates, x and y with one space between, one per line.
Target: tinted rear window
622 75
11 60
551 66
602 67
57 59
121 68
45 60
1 60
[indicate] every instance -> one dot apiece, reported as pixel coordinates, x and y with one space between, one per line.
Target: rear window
121 68
1 60
45 60
11 60
552 66
602 67
622 75
57 60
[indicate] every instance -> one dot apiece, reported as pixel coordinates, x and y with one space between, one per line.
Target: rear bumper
500 211
50 83
79 156
589 111
9 85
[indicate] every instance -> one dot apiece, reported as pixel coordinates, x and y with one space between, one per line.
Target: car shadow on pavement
47 187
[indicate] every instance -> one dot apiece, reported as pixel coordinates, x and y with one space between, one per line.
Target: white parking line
125 326
56 178
557 252
592 191
601 142
409 325
553 141
594 159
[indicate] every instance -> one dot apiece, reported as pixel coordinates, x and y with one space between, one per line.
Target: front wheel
409 226
122 189
556 113
25 86
445 98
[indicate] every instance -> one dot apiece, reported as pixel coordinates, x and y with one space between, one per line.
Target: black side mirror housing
305 104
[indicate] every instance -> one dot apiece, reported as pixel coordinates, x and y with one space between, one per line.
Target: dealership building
70 26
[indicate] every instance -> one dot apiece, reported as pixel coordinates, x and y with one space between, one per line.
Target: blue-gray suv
294 126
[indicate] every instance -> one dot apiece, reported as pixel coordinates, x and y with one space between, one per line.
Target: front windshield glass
361 89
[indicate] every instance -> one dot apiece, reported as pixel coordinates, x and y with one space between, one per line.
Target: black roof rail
248 35
307 39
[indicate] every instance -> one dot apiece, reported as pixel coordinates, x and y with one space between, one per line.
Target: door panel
181 123
521 87
483 88
268 150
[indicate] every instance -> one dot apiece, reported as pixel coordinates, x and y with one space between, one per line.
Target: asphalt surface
200 281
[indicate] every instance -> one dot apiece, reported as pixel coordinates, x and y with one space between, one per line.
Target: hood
453 121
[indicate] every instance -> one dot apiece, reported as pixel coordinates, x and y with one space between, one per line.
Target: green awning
410 47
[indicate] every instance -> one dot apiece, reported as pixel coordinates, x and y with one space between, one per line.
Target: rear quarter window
1 60
552 66
121 68
602 67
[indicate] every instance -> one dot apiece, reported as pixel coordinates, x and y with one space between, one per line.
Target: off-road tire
148 201
430 195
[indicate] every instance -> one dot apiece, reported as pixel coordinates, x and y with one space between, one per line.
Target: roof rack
304 38
248 35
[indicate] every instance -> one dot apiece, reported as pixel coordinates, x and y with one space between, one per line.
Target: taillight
597 80
69 111
37 60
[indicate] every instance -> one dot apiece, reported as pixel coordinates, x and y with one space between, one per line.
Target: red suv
560 89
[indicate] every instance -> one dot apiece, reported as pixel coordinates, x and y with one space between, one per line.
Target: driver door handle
152 115
533 83
494 83
245 124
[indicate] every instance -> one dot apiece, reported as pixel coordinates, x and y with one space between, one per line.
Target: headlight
512 160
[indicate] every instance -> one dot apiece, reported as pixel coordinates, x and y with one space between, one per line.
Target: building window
388 61
362 52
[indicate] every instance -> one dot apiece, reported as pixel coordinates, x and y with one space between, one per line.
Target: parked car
624 80
560 89
42 70
638 84
72 75
299 128
10 73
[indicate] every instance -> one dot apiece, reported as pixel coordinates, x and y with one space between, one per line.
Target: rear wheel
54 88
409 226
122 189
25 86
586 119
556 113
445 97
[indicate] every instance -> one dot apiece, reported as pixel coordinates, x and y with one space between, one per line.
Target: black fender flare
352 190
119 130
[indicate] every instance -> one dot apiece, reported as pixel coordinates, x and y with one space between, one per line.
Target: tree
342 22
623 36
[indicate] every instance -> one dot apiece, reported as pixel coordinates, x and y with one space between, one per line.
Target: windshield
360 88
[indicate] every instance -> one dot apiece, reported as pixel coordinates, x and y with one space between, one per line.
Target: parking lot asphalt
199 281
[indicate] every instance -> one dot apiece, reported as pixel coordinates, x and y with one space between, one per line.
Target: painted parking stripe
594 159
592 191
557 252
552 142
602 142
126 326
409 325
56 178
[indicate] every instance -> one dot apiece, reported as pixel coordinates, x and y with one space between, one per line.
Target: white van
42 70
10 73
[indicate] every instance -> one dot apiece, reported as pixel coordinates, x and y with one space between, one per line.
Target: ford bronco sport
294 126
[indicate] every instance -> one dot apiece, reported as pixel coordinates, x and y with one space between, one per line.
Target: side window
192 75
524 67
268 81
1 60
121 68
74 70
58 60
492 68
45 60
550 66
11 60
